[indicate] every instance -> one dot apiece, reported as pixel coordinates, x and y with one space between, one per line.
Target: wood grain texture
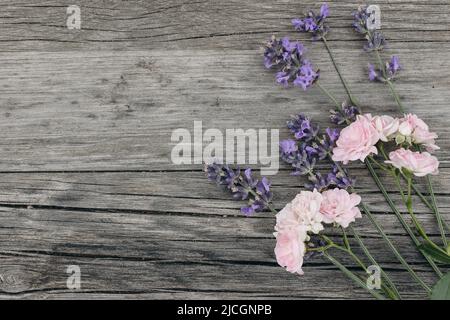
86 118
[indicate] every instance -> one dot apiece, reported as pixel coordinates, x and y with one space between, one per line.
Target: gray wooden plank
121 252
46 278
35 25
103 111
182 192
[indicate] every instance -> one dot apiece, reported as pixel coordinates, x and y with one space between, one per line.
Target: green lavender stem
328 94
344 83
396 96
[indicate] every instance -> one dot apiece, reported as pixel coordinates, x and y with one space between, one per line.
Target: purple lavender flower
288 146
324 146
393 66
360 17
333 134
374 74
282 78
306 76
301 158
314 24
302 128
287 57
345 115
375 39
242 186
317 181
340 178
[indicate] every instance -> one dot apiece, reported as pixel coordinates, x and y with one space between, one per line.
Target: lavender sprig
309 148
287 57
346 114
243 186
375 39
389 73
302 128
314 23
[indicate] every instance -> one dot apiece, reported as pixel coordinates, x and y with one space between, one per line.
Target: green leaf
448 249
441 290
436 254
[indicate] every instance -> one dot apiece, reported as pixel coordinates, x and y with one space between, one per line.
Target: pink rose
425 137
420 164
409 122
304 210
356 141
385 125
290 249
414 127
294 221
338 206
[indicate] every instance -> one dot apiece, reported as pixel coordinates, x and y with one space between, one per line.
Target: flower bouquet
399 147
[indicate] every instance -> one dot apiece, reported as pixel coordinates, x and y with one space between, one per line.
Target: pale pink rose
294 221
290 249
356 141
385 125
306 209
420 164
411 125
425 137
338 206
409 122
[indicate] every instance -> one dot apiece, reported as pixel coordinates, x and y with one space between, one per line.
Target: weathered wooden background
86 117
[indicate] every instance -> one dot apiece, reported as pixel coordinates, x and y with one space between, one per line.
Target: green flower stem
394 294
399 216
347 249
433 205
344 83
361 264
380 230
439 219
427 203
436 209
352 276
394 250
378 164
441 222
328 94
